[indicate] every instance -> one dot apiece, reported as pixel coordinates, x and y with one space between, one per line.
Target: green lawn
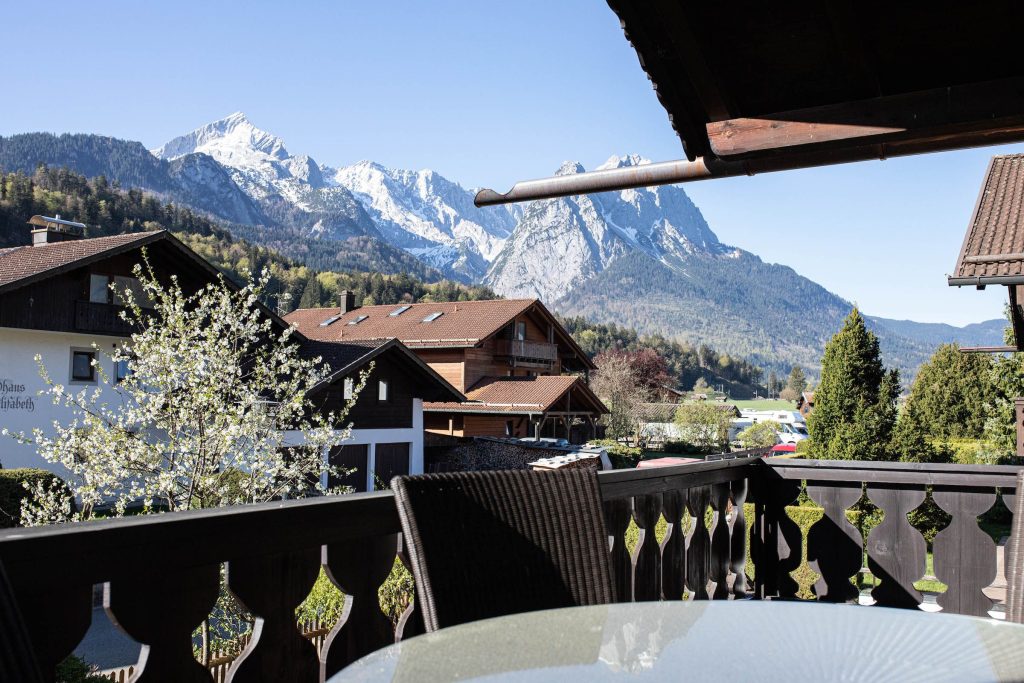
764 404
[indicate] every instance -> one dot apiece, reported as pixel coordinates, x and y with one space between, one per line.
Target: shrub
760 435
681 447
76 670
622 457
13 491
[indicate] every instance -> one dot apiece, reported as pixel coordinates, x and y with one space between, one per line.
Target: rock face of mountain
591 232
430 216
645 258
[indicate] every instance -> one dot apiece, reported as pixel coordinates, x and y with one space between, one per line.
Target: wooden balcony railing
160 573
527 350
101 319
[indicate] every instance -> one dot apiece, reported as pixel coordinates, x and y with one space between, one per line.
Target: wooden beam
1017 315
915 116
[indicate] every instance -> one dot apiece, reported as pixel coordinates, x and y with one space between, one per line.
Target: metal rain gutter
661 173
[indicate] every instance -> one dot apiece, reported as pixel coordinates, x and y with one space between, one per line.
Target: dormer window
399 311
433 316
358 320
333 319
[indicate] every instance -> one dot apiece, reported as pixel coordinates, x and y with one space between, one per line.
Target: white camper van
792 427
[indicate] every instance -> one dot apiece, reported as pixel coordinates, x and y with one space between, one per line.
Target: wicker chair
488 544
1014 558
17 659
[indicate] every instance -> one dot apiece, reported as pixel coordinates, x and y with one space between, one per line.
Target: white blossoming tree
210 407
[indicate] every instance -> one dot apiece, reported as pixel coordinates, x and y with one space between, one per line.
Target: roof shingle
26 263
462 323
994 244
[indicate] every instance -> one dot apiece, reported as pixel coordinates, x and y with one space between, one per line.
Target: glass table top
707 640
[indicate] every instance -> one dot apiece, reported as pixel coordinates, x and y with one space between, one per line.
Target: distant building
56 301
805 403
507 356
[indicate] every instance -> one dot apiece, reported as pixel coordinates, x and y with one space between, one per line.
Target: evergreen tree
773 384
797 382
1006 383
855 402
312 295
949 393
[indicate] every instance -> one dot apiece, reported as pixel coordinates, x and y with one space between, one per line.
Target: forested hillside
686 363
106 209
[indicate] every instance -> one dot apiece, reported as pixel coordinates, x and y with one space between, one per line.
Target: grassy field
764 404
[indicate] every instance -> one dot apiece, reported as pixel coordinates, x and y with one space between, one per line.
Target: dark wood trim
928 114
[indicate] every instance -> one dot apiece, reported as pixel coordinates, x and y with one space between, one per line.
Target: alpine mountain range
642 258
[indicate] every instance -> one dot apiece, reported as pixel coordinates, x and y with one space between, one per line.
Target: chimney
47 230
348 300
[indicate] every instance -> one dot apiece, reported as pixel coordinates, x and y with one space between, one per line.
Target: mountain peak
570 168
227 140
623 162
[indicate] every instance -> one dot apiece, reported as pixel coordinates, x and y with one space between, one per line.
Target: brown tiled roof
994 244
518 395
463 323
22 265
344 358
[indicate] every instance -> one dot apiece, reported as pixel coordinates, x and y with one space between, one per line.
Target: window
82 368
433 316
521 331
121 370
510 429
399 311
332 319
358 320
99 289
382 390
349 388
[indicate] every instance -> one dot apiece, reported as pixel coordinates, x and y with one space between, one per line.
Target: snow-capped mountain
590 232
430 216
291 189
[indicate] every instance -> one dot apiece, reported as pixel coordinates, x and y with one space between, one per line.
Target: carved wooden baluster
1009 500
834 545
358 568
721 543
776 540
411 622
964 555
270 587
896 550
617 514
738 552
673 546
647 555
55 609
161 610
698 550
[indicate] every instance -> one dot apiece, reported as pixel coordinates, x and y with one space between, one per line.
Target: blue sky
485 93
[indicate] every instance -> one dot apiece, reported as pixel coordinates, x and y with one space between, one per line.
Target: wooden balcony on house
524 350
101 318
729 535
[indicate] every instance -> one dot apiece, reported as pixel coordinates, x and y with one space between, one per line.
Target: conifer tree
855 402
312 295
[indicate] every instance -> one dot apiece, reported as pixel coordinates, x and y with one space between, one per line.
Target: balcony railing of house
527 350
101 319
160 573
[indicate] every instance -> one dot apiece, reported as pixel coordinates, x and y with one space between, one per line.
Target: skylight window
358 320
332 319
433 316
399 311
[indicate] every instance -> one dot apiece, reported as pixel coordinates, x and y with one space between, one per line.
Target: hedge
12 492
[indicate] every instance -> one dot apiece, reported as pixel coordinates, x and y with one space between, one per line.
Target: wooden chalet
510 358
56 302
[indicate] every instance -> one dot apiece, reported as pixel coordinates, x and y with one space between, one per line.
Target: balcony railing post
964 555
617 514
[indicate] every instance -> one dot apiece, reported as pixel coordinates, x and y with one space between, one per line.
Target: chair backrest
488 544
1014 558
17 658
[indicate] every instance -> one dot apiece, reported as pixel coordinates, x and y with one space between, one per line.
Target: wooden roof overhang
993 247
776 86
